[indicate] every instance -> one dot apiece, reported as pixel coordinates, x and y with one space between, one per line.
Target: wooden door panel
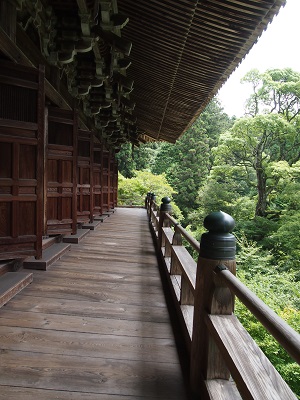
61 172
115 183
6 160
21 160
97 179
5 219
27 212
27 161
105 180
111 181
85 177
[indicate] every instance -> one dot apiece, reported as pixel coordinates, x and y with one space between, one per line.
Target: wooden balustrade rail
279 329
225 362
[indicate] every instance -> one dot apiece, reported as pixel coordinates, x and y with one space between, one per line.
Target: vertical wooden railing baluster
217 247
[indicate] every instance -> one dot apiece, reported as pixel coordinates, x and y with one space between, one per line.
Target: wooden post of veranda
164 208
147 202
217 249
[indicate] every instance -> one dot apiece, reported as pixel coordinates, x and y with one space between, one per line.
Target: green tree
188 162
132 191
132 158
256 144
274 91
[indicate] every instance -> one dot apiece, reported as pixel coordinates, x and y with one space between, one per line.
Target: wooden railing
225 362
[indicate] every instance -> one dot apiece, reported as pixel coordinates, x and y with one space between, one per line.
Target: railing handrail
204 301
280 330
189 238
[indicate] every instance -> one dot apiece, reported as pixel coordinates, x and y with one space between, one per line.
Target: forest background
250 168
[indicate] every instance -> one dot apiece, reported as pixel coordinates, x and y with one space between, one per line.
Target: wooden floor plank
90 375
87 308
87 344
70 323
95 325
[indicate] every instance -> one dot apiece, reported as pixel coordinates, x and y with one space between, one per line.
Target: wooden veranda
95 325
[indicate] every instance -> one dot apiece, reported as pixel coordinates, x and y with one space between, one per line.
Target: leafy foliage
187 162
133 191
131 158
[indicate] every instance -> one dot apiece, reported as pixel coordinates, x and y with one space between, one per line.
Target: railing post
217 247
147 201
164 208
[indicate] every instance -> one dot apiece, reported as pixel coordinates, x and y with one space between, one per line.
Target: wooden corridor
95 325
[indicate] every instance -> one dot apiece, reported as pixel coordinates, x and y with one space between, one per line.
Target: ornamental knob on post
164 208
218 243
153 197
147 200
165 205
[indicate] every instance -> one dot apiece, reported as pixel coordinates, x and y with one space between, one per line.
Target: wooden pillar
115 182
217 249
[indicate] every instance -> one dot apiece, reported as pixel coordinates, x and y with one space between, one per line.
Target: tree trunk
261 204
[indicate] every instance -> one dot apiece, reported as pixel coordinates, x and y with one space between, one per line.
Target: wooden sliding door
85 177
21 160
61 156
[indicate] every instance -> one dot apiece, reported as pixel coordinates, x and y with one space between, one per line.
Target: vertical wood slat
115 183
45 177
97 191
74 171
22 142
85 170
105 179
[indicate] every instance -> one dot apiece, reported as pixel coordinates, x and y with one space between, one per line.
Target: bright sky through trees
276 48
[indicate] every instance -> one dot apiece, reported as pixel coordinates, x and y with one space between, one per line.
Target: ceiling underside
182 53
142 70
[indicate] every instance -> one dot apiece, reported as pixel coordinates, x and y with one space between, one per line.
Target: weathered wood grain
95 325
20 393
90 375
70 323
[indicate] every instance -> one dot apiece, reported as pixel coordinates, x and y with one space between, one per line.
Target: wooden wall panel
115 183
21 160
85 177
111 180
97 179
61 182
106 179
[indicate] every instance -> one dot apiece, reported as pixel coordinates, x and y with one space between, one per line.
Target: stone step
50 255
49 241
12 283
110 212
101 218
10 266
91 225
81 233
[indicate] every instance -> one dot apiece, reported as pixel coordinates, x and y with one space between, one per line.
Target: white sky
278 47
